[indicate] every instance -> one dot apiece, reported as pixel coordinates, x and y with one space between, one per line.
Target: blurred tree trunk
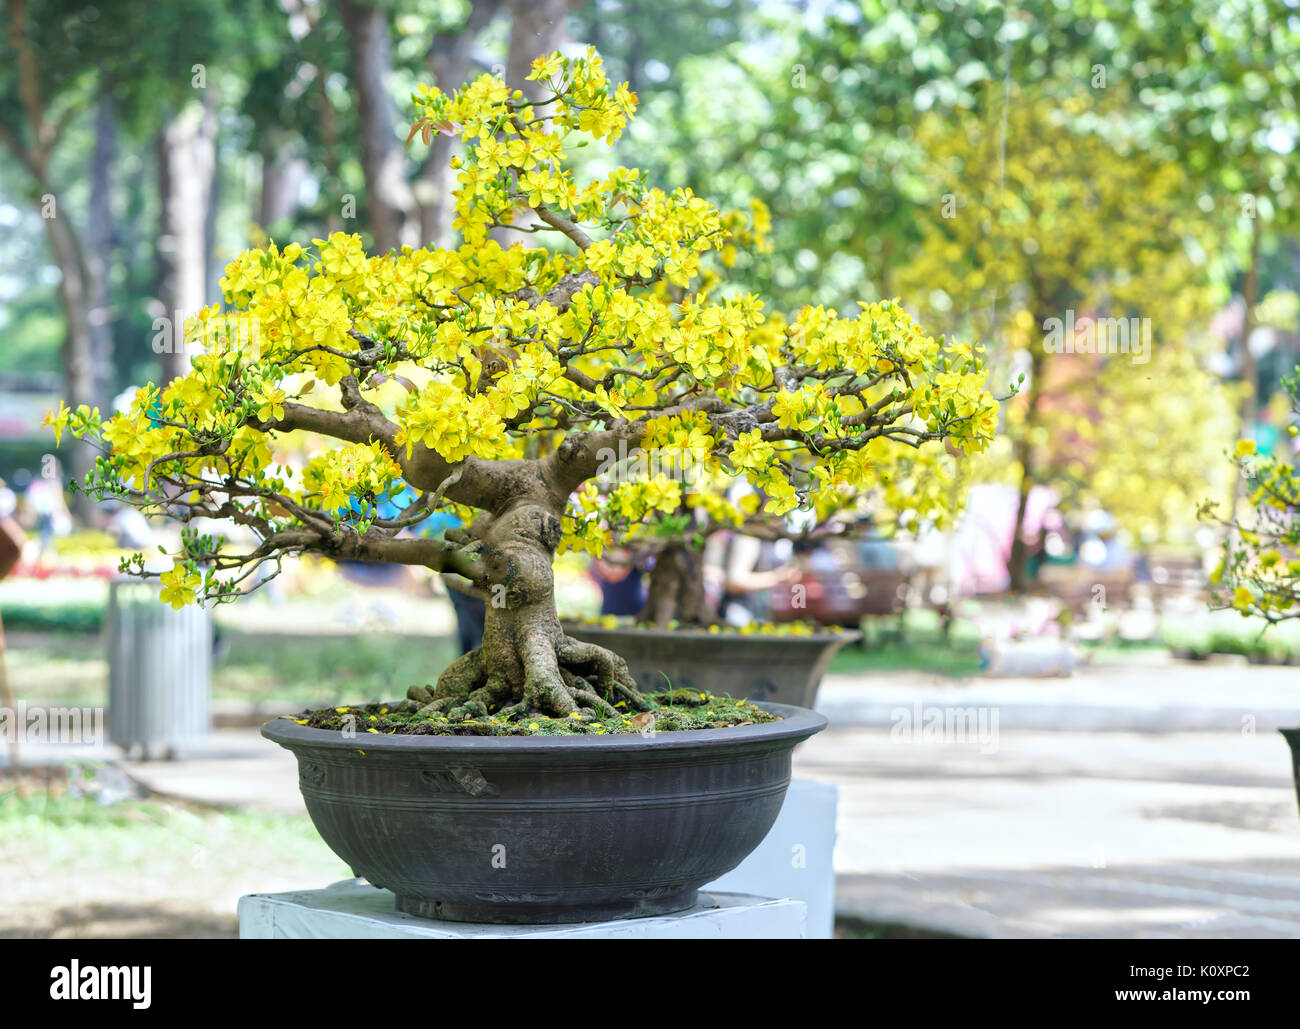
78 344
537 27
186 154
452 64
100 246
212 268
33 149
329 130
1250 322
1018 563
1249 369
390 204
283 174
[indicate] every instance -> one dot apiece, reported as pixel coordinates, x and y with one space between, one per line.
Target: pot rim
843 636
796 723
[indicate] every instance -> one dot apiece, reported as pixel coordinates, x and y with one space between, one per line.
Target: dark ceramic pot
1292 737
783 669
518 829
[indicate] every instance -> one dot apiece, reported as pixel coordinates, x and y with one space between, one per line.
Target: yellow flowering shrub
1259 572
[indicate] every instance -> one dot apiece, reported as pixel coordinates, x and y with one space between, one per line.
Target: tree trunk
186 157
537 27
100 246
74 287
390 204
78 343
283 174
527 665
1249 370
1018 562
676 590
452 65
1250 297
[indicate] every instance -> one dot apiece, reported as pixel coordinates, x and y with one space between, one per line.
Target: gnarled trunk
527 665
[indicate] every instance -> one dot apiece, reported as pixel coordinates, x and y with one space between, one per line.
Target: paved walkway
1065 834
1144 801
1153 694
1147 799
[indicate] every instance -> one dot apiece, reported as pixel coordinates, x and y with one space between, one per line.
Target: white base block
351 910
797 858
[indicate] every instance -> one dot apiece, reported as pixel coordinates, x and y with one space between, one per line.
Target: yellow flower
178 587
1245 447
270 404
546 67
58 421
751 450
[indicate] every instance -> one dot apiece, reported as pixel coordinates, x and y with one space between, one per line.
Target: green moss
797 628
673 711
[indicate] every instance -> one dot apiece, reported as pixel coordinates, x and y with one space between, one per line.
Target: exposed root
607 673
560 678
526 665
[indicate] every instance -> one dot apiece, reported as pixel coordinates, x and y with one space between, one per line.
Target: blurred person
746 569
44 498
470 610
471 614
750 569
129 528
622 587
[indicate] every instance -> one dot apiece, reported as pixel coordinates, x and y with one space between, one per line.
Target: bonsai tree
521 368
909 485
1261 553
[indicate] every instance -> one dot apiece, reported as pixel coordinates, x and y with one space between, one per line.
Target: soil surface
675 711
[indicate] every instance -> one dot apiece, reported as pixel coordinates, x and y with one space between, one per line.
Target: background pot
1292 737
545 829
783 669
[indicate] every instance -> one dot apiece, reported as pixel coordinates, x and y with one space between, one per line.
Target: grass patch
1227 632
289 672
310 671
77 617
142 868
919 645
922 646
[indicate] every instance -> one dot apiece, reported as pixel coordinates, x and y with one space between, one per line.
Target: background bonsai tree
517 371
1261 553
909 485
